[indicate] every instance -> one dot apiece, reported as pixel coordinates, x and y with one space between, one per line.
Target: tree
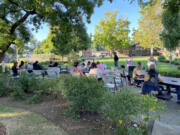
112 33
170 20
63 40
16 15
150 27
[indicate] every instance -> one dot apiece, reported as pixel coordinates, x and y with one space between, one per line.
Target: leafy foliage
170 20
64 40
84 94
126 106
16 15
112 33
150 26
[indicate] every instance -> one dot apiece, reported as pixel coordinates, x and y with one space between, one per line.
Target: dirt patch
53 110
2 129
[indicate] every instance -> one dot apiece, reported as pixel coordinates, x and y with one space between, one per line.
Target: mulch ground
53 110
2 129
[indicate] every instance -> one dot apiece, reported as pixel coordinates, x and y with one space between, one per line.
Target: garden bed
53 110
2 129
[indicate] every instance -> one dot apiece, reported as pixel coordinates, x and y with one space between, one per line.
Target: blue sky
124 9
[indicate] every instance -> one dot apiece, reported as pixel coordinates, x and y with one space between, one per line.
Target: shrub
17 92
126 106
5 86
161 58
84 94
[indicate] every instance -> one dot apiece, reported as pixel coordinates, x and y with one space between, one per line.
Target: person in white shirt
56 69
94 71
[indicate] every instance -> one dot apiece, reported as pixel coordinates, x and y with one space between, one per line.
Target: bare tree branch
20 21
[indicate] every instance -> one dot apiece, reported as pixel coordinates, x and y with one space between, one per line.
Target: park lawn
163 68
21 122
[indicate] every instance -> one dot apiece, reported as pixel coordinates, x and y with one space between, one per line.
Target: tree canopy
111 32
171 23
65 40
17 15
150 27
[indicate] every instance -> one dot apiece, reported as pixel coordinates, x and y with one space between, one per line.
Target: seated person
15 69
76 71
101 68
83 68
151 60
22 65
30 67
138 74
88 66
37 66
56 69
152 80
124 74
94 71
178 94
50 64
104 65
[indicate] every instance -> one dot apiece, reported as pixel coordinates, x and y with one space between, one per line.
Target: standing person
129 61
15 69
116 58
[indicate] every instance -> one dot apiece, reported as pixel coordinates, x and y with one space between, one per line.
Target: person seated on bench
124 74
101 68
138 74
15 69
152 80
37 66
94 71
56 69
30 67
88 66
83 68
76 71
50 64
22 66
178 94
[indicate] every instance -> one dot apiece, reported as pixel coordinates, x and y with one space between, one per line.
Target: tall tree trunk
151 50
2 54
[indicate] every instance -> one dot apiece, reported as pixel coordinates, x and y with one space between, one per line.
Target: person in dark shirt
51 64
152 80
36 66
15 69
22 65
116 58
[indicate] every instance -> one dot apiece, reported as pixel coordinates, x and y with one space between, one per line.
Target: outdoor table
170 82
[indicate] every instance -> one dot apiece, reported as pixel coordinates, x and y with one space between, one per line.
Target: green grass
163 68
21 122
